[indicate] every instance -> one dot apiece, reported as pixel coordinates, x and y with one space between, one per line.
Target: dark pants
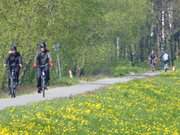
17 71
39 71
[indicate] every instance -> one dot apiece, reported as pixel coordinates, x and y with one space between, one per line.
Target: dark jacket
14 60
42 58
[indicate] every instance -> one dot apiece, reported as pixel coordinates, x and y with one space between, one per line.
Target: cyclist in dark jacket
13 61
152 60
42 58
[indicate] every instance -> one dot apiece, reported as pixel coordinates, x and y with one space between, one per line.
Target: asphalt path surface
69 91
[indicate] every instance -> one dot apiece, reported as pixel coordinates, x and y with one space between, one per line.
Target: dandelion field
142 107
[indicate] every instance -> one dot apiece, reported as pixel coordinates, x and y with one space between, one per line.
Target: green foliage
86 30
149 106
121 70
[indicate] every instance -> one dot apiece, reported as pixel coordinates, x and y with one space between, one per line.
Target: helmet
13 48
43 45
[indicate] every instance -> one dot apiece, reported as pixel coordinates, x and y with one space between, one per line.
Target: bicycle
43 79
13 82
166 66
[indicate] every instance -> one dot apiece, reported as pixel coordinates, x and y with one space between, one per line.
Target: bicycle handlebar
43 66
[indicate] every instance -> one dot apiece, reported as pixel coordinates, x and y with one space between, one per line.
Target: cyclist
152 60
165 58
42 58
13 62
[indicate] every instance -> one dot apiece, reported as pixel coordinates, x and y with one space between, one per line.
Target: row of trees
177 26
165 27
93 34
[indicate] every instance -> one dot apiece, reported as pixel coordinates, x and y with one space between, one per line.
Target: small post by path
70 73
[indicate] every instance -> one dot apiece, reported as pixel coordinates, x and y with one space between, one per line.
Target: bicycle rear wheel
11 87
43 87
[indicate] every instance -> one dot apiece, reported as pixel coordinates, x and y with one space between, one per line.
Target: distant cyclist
42 58
152 60
165 58
13 62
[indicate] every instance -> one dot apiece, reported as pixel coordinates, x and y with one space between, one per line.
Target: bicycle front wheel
43 91
12 89
43 87
14 93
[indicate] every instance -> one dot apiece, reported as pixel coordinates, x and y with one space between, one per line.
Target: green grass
3 94
93 77
65 81
122 70
21 90
148 107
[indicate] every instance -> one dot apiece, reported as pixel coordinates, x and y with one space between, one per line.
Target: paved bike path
68 91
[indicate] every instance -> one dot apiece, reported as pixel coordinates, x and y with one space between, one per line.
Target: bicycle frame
43 78
13 80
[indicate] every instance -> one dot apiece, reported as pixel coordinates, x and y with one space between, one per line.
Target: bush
121 70
65 81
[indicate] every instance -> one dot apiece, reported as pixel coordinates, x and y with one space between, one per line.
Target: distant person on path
42 58
13 62
165 59
152 60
